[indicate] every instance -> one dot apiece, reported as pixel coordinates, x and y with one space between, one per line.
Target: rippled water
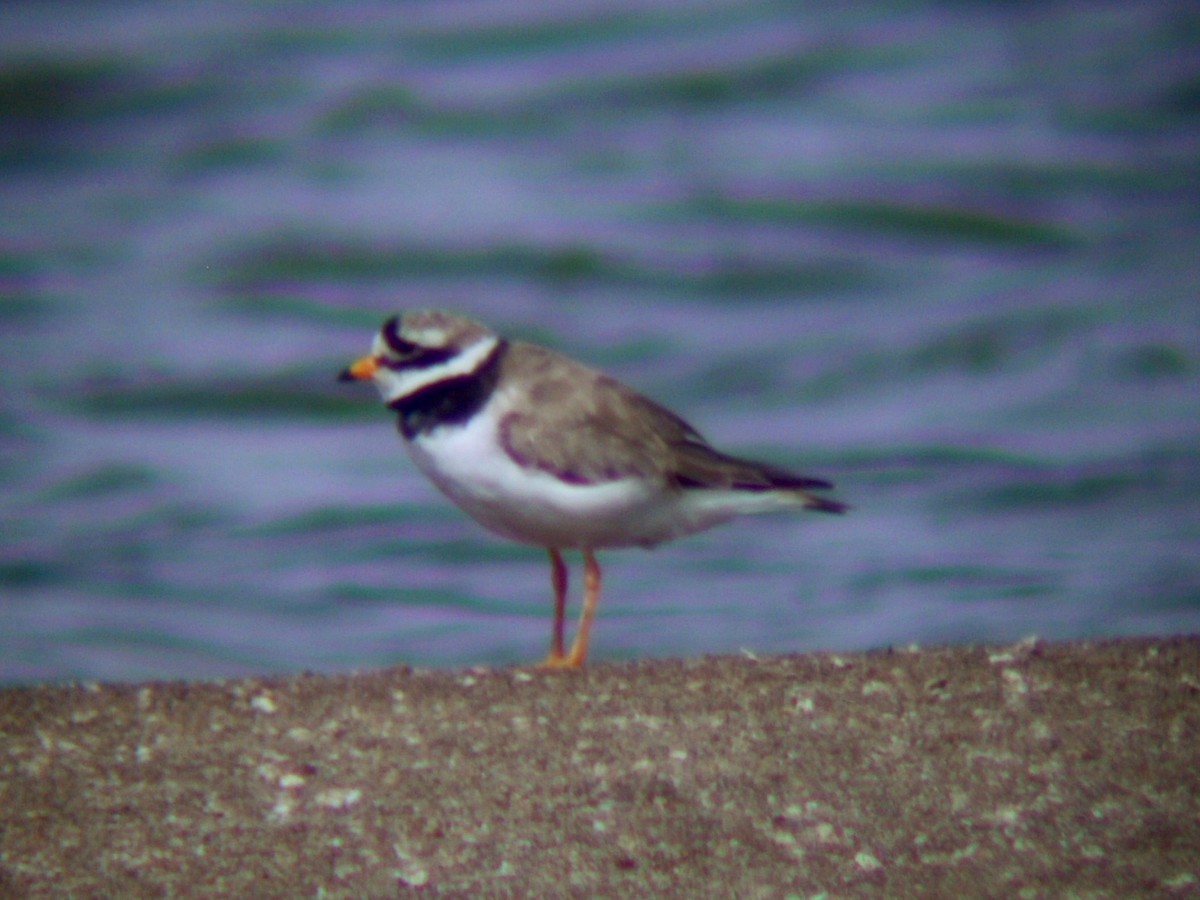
945 256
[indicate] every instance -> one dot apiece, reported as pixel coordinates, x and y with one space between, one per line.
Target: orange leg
591 594
558 579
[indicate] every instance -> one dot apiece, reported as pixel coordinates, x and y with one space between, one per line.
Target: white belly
469 466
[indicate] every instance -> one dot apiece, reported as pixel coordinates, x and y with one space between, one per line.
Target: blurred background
944 254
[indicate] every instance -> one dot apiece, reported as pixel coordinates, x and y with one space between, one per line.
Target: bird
542 449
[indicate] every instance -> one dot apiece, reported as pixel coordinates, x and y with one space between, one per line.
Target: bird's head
421 349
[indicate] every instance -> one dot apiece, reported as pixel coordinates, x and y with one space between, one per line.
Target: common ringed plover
544 450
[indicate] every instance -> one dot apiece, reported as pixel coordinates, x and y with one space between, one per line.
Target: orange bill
360 370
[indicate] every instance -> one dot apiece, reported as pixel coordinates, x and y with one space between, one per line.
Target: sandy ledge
1028 770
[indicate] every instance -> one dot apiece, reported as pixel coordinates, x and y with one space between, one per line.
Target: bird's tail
700 466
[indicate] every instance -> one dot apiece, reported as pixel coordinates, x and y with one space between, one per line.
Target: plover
544 450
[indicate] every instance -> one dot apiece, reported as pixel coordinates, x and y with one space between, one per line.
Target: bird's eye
399 345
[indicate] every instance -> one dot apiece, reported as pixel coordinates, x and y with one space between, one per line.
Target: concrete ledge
1029 770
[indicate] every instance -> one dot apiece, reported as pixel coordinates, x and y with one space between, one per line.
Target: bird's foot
572 660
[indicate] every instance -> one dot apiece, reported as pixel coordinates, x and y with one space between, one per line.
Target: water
944 256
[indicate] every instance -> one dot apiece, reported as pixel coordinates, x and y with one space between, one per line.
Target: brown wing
588 427
591 428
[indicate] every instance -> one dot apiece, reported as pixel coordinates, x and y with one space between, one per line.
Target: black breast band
452 401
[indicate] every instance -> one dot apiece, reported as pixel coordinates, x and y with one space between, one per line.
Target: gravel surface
1039 770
